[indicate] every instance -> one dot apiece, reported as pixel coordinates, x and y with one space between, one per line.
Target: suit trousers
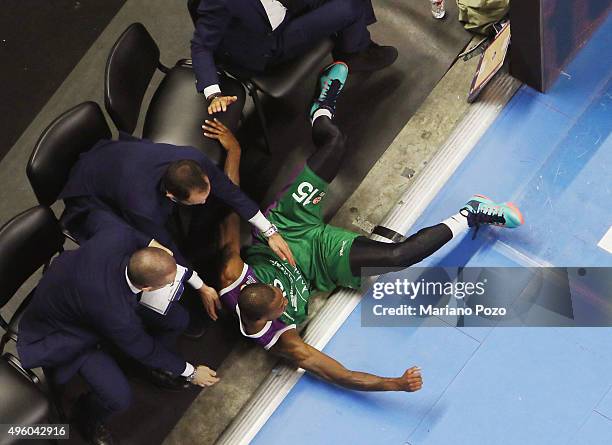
109 388
345 20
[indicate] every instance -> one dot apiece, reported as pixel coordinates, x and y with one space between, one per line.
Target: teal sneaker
480 210
331 81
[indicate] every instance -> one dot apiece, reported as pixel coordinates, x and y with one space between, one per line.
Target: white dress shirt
275 11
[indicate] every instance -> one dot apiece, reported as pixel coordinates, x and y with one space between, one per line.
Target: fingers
214 129
210 301
219 104
278 251
210 129
211 135
211 310
289 255
284 247
210 378
226 101
413 381
205 376
206 370
208 381
215 125
280 247
415 387
215 106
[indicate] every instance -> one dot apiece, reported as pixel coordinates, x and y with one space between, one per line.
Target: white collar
132 287
256 335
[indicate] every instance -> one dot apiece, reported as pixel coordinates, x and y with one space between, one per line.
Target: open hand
220 103
280 248
214 129
210 300
205 376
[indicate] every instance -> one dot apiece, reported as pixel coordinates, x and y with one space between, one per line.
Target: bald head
151 267
255 300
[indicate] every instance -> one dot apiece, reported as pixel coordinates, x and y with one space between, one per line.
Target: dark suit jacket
84 298
237 27
124 177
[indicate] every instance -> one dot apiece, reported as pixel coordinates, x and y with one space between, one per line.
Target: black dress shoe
375 57
93 432
99 434
168 381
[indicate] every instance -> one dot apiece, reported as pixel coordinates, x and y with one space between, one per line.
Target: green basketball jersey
321 251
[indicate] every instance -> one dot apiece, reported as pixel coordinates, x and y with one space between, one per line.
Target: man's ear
169 195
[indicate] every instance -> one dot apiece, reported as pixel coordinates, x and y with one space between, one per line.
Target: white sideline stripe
326 323
606 242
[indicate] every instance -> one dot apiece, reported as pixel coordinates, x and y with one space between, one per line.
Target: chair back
27 242
59 147
129 69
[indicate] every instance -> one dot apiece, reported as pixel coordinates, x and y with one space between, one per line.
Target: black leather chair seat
21 401
177 111
281 79
13 326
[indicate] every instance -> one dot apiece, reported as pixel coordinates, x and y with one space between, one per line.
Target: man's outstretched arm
291 346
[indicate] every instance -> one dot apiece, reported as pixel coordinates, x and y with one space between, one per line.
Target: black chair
59 147
276 82
176 111
22 402
27 242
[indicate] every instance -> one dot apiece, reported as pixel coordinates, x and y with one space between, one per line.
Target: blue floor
552 155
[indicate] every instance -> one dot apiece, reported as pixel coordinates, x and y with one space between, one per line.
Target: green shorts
321 250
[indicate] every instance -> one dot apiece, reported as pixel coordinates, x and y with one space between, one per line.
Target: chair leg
260 114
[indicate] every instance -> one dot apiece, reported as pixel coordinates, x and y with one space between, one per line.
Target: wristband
191 376
271 231
212 97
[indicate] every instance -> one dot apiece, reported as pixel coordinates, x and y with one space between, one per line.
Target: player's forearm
362 381
333 371
232 165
